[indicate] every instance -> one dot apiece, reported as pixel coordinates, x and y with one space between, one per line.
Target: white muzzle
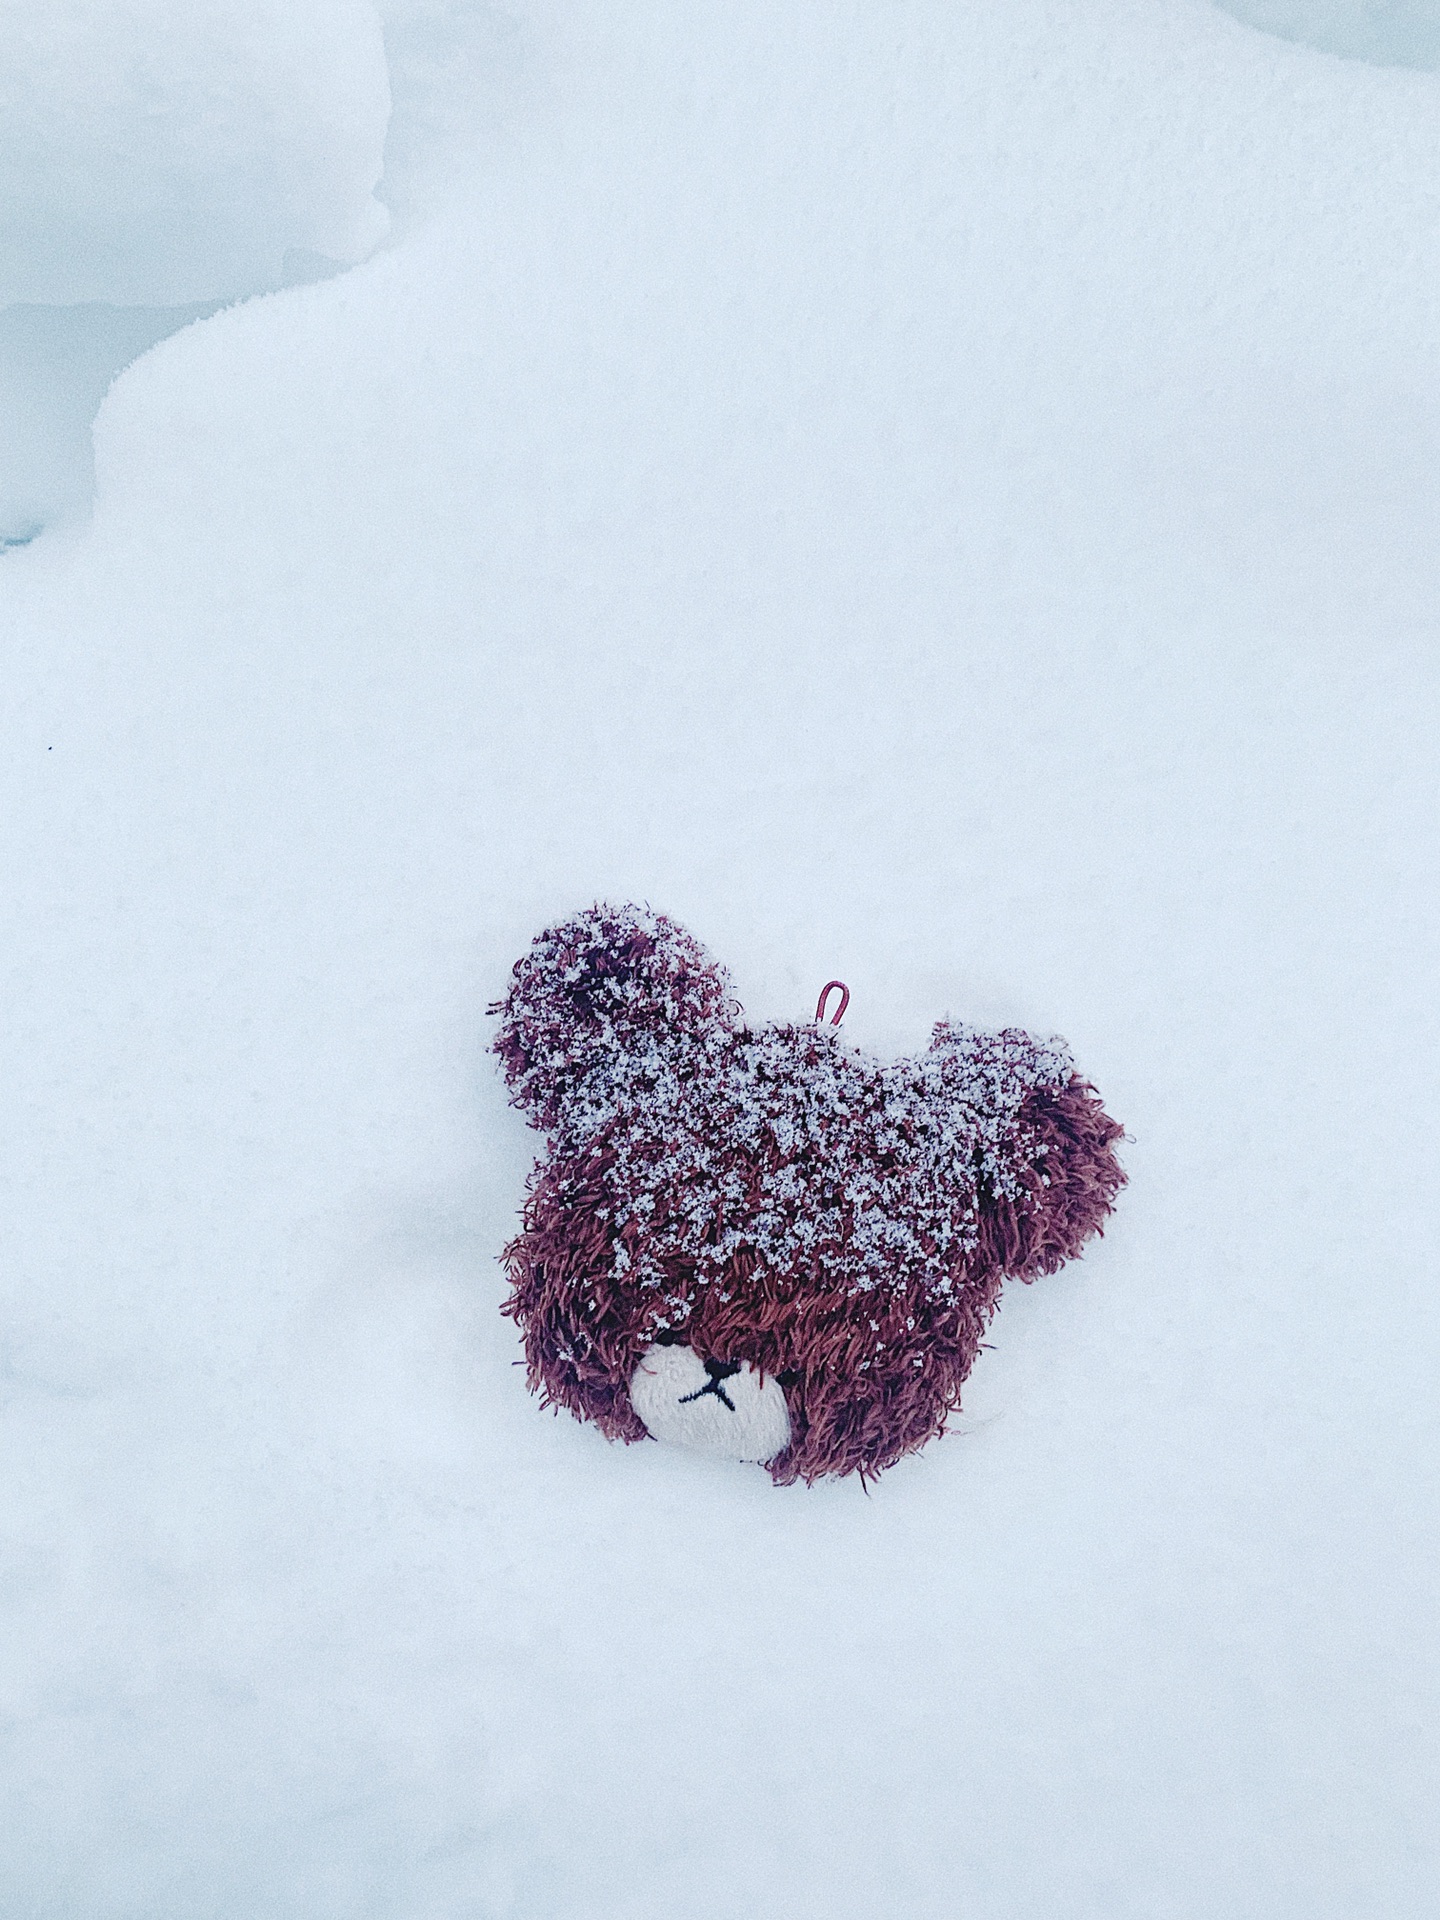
710 1406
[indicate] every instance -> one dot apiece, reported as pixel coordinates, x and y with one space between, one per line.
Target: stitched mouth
718 1370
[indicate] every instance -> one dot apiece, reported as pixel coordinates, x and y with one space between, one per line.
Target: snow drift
154 154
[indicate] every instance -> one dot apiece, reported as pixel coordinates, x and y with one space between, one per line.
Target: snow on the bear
757 1240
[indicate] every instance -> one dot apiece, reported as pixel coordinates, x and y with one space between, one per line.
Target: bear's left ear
594 999
1041 1144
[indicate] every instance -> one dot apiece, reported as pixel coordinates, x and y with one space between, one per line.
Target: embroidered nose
718 1370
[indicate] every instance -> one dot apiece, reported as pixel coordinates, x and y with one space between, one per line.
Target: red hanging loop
825 995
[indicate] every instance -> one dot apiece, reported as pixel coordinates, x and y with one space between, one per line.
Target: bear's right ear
608 987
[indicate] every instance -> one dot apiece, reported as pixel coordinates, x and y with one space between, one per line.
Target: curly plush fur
768 1194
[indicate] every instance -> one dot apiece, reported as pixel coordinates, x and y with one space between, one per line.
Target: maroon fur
770 1194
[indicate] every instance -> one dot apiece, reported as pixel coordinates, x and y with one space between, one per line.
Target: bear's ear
1041 1144
602 999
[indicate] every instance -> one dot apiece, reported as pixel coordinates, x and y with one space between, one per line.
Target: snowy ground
940 495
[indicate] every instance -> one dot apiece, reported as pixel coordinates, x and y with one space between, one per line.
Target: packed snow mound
1390 33
152 154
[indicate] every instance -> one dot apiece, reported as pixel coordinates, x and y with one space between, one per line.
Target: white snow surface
154 153
937 495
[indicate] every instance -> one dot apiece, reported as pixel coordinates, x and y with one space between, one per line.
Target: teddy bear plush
756 1240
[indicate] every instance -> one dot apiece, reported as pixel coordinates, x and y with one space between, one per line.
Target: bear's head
756 1240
